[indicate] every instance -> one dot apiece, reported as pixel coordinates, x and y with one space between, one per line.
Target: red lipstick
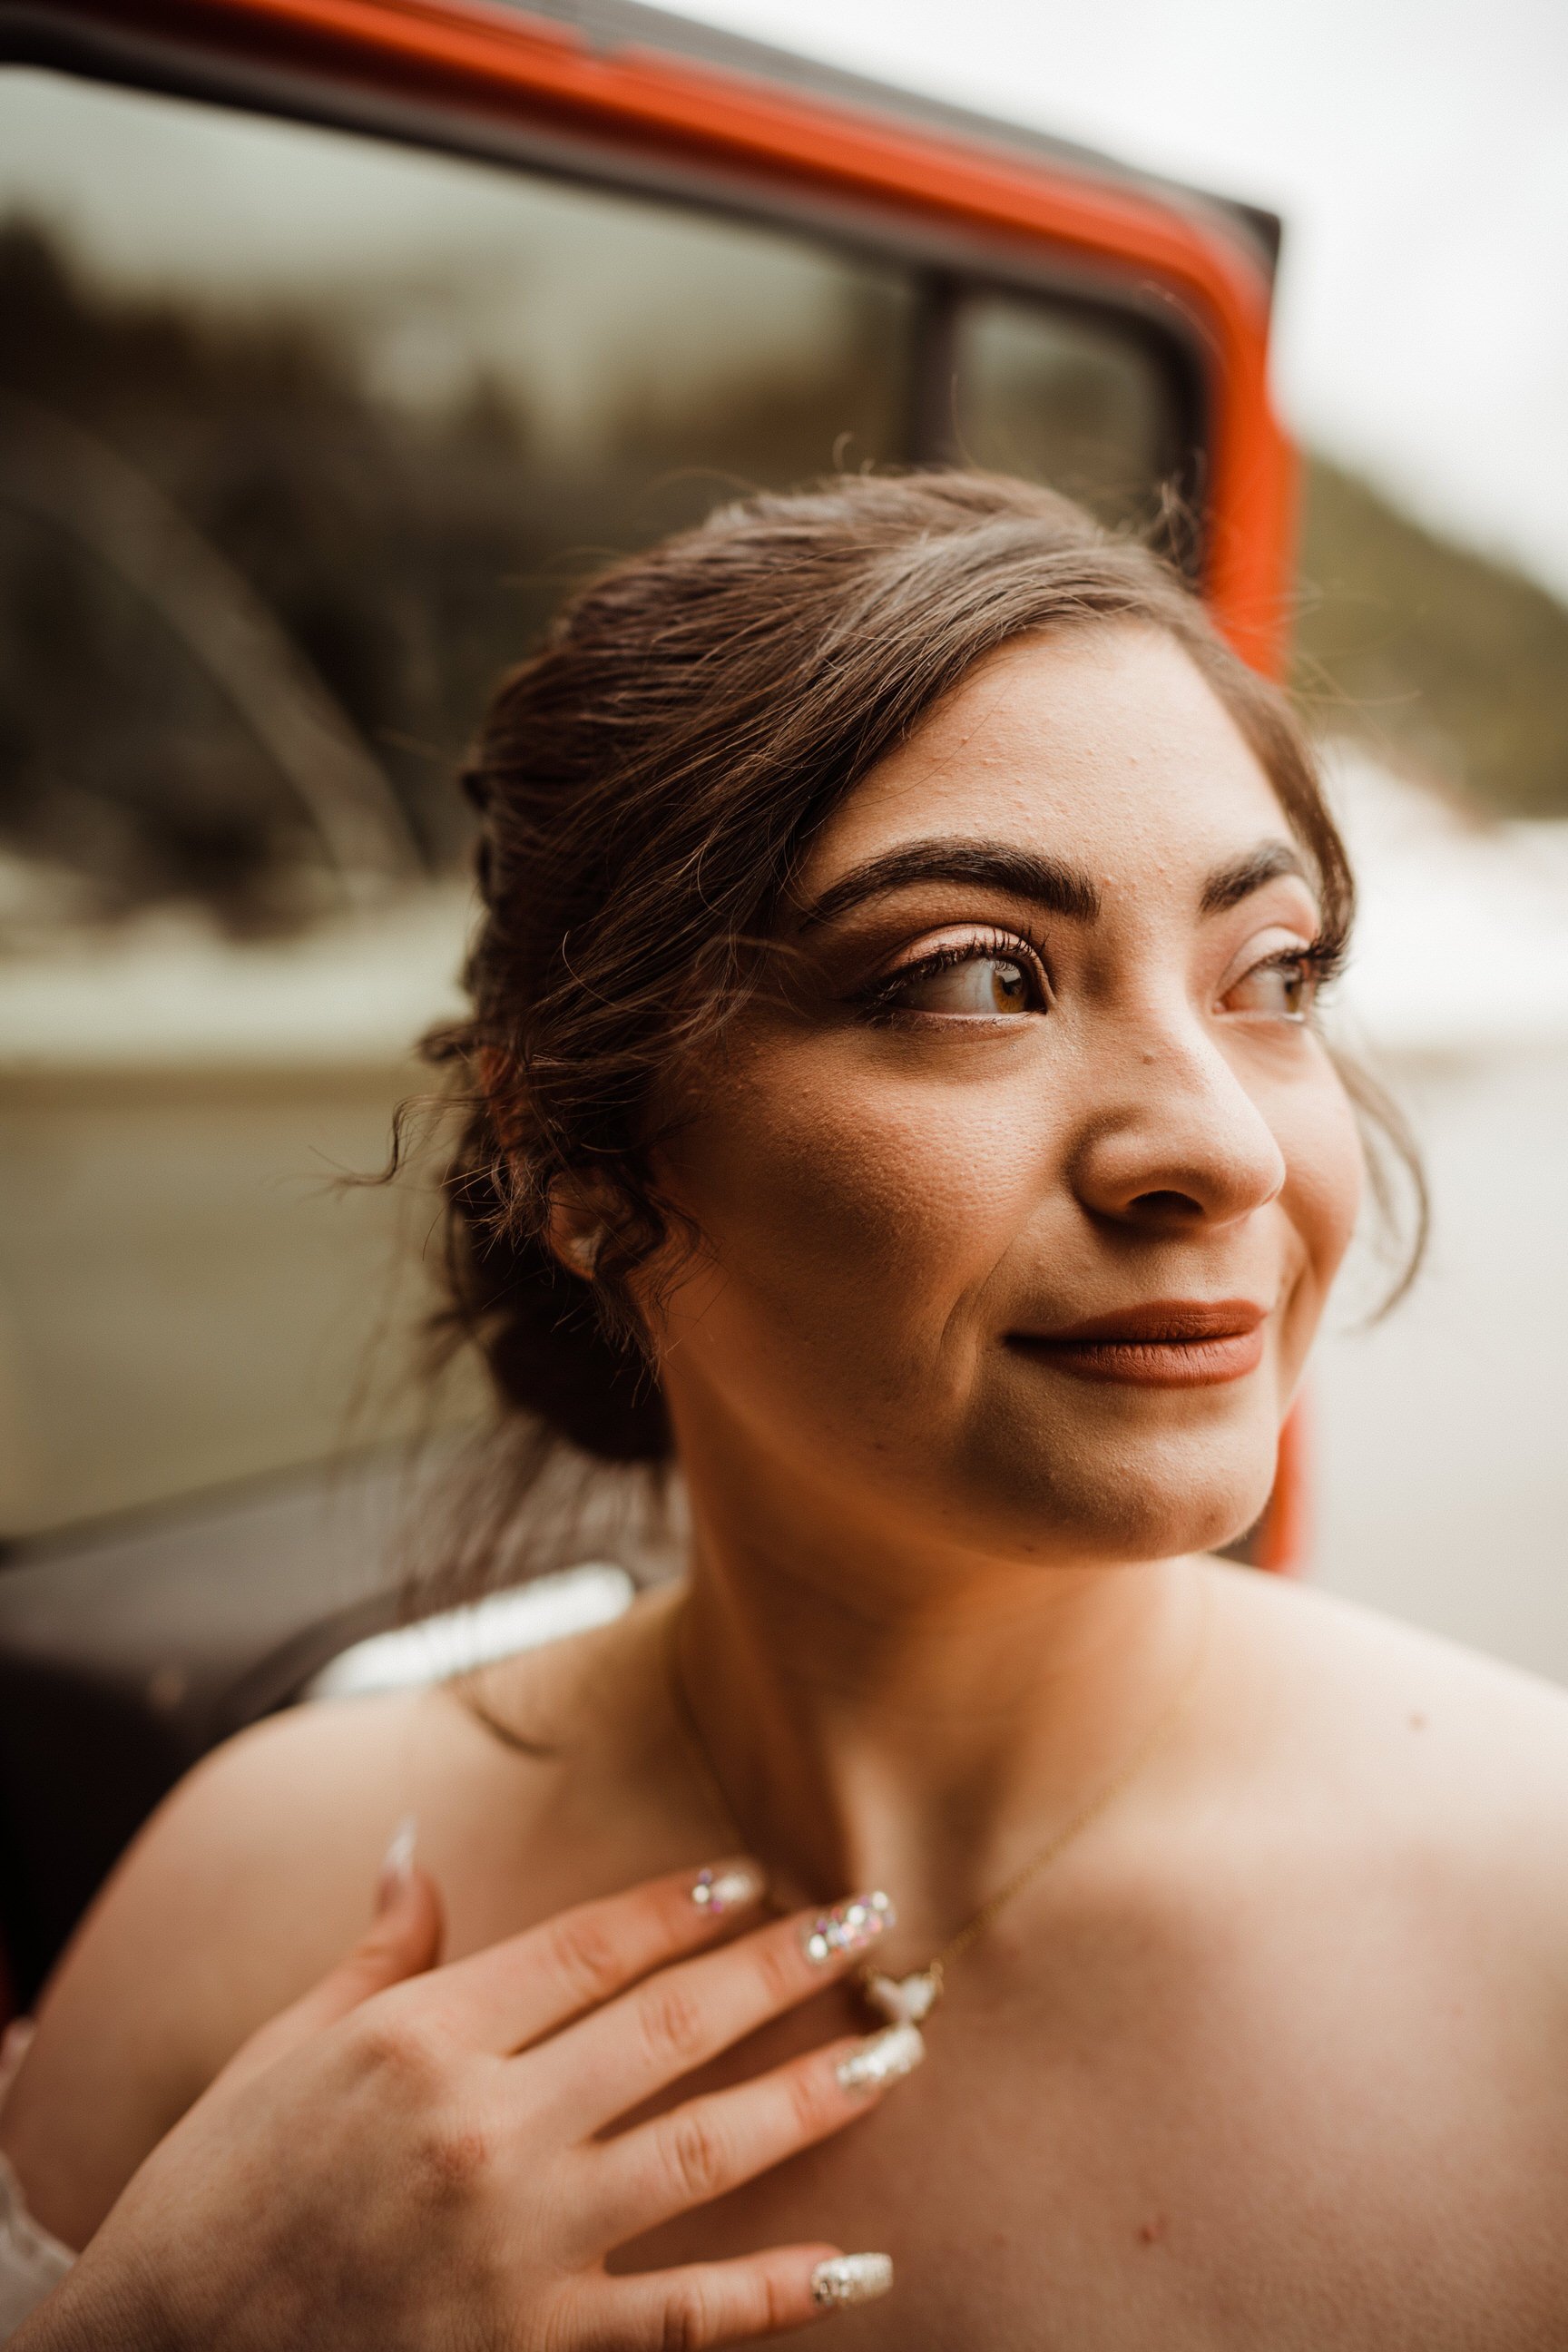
1169 1343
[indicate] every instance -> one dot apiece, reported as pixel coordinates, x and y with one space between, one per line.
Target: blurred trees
409 556
382 546
1444 660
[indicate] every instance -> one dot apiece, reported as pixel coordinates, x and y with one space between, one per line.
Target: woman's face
1022 1202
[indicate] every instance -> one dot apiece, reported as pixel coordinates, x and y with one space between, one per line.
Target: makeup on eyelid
1298 970
908 945
963 954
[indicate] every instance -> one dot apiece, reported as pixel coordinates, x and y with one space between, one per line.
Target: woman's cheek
897 1196
1324 1184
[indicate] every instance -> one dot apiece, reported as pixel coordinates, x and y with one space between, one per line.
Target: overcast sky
1418 150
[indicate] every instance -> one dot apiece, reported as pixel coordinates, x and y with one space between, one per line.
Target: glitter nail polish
726 1887
883 2058
850 2278
849 1927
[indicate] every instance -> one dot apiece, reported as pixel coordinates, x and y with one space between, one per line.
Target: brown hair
647 786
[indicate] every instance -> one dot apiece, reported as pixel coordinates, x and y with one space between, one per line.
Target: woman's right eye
977 982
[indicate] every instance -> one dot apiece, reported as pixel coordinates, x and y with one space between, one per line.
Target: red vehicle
987 292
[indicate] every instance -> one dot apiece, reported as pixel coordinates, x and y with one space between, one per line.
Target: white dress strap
32 2262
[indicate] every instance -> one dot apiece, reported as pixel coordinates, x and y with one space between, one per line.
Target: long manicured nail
726 1885
849 1927
882 2058
396 1864
851 2278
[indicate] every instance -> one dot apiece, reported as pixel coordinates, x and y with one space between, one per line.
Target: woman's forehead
1103 746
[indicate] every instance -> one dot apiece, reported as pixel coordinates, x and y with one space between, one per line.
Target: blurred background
304 435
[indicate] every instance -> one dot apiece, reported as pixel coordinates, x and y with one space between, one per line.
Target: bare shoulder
259 1872
245 1886
1410 1746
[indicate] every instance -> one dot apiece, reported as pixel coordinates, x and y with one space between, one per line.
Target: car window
1067 398
303 435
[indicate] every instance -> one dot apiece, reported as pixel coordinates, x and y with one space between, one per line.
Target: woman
894 1096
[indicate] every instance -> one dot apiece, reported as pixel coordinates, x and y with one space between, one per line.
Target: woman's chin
1192 1491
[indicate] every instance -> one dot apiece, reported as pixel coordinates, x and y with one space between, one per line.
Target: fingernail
883 2058
726 1886
851 2278
847 1928
396 1862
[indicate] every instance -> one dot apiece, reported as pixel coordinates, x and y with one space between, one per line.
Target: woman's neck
923 1732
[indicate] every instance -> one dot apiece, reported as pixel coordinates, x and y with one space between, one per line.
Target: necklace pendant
903 2001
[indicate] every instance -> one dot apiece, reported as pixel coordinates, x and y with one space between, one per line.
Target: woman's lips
1170 1343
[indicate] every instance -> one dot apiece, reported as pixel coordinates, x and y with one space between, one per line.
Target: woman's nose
1183 1144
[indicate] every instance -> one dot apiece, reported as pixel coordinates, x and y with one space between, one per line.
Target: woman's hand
404 2161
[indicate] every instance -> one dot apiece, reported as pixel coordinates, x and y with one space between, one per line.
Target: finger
710 2145
737 2302
402 1940
507 1996
685 2015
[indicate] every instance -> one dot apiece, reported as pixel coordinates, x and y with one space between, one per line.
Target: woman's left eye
1281 987
969 982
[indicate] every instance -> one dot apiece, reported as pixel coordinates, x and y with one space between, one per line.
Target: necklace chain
1161 1730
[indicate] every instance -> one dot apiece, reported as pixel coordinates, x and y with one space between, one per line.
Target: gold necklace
905 2000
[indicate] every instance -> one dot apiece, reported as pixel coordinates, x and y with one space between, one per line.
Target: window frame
625 99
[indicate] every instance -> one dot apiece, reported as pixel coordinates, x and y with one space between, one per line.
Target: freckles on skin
846 1241
887 1203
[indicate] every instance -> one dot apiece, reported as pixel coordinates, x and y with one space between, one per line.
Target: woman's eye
980 982
1282 988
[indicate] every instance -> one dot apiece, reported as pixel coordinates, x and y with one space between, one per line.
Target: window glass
301 436
1067 398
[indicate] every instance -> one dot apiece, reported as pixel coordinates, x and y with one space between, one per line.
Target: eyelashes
1322 961
884 999
1027 989
1325 958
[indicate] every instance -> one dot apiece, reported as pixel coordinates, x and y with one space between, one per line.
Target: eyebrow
1228 886
1047 882
1021 873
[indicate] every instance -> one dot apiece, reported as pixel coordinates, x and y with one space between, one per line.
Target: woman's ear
575 1228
